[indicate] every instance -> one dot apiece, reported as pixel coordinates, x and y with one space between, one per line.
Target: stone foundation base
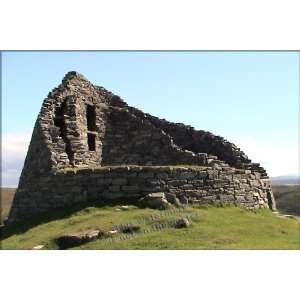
211 185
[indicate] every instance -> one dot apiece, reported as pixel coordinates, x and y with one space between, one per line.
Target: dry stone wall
199 141
189 184
130 139
82 127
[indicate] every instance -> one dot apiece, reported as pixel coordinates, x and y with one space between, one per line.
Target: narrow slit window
59 118
91 142
91 117
59 122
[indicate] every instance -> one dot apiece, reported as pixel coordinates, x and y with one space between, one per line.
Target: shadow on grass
56 214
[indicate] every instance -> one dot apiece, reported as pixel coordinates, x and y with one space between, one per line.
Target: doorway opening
59 121
91 141
91 117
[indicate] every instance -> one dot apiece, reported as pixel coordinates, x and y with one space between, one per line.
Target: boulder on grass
173 199
130 228
38 247
182 223
155 200
124 207
77 239
111 232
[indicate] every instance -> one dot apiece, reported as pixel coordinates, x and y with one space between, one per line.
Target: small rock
93 234
112 232
130 228
291 217
77 239
38 247
155 200
182 223
124 207
172 199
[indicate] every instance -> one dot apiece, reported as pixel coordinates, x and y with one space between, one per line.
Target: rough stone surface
73 240
88 144
155 200
182 223
130 228
38 247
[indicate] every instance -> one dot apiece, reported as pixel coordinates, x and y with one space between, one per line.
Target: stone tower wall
200 141
85 127
202 185
130 139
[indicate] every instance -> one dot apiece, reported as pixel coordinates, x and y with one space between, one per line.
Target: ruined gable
82 128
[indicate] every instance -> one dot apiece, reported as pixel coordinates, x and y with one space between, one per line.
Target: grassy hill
211 227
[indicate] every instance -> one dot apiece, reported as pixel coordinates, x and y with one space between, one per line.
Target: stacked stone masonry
83 131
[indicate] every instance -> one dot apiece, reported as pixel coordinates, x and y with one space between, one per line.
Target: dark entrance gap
59 121
91 141
91 117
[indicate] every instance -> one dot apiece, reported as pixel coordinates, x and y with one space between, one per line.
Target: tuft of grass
211 228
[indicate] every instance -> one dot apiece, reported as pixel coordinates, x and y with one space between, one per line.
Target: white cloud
14 149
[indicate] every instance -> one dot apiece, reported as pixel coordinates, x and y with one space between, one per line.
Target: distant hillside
7 195
287 198
285 180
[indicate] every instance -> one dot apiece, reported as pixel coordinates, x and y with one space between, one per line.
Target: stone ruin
88 144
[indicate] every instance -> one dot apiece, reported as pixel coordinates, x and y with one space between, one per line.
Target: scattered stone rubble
88 144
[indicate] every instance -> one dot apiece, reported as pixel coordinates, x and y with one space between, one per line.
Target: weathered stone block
119 181
130 188
155 200
112 195
176 182
146 175
114 188
227 198
209 198
187 175
162 176
187 186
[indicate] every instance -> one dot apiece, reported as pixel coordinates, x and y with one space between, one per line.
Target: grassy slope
214 228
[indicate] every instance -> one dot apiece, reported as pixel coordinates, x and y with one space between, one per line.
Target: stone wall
189 184
64 123
82 127
198 141
123 134
130 139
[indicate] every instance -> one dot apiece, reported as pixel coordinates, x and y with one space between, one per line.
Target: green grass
211 228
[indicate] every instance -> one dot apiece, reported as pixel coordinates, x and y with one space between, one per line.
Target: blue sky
250 98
